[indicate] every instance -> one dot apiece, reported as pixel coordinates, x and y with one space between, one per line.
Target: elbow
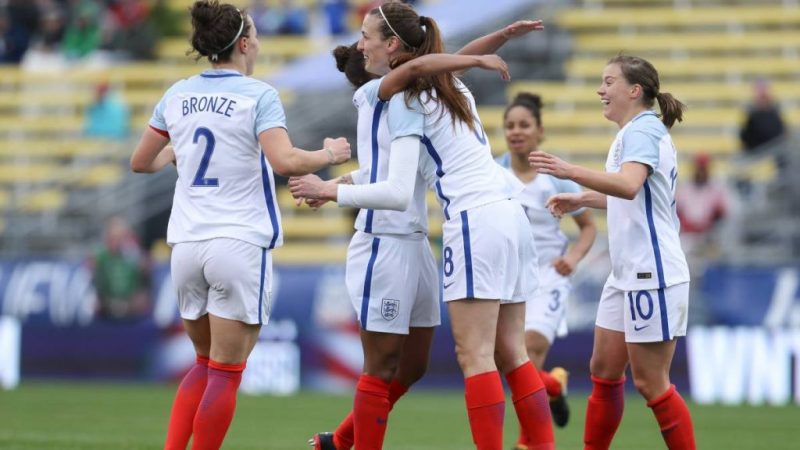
399 202
285 170
629 192
137 167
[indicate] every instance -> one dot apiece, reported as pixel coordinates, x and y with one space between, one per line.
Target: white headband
380 8
215 56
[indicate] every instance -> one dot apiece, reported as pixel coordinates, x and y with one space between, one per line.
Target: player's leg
474 324
231 344
192 386
527 390
240 277
192 293
606 402
660 317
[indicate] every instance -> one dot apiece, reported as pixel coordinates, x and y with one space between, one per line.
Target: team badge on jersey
390 308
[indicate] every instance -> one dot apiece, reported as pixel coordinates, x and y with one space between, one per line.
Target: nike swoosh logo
635 328
448 285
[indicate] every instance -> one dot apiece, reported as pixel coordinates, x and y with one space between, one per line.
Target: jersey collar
220 73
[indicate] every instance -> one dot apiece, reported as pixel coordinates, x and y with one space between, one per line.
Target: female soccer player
545 313
498 262
218 122
407 226
645 301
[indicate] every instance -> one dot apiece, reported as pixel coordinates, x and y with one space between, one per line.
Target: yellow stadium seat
317 226
578 19
42 201
773 66
610 44
11 173
310 252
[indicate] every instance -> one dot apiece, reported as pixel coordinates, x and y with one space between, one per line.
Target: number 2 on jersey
200 177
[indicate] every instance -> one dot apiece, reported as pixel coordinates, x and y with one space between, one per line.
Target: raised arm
434 64
491 42
288 160
624 184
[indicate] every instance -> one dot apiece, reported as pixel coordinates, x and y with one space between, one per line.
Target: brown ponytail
671 108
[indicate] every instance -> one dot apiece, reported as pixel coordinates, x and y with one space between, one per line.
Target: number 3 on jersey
200 179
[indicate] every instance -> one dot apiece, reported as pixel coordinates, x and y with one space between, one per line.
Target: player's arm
150 146
288 160
164 158
566 264
623 184
491 42
394 193
434 64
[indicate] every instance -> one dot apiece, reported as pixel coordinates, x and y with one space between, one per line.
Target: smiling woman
644 304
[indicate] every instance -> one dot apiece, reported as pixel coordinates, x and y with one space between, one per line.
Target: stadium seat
705 67
705 41
580 19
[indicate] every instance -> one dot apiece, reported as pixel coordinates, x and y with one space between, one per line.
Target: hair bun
422 20
527 97
342 55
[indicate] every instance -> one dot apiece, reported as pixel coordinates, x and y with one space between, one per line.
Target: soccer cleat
519 447
558 404
322 441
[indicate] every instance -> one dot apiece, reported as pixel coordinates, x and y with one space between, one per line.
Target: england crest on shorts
390 308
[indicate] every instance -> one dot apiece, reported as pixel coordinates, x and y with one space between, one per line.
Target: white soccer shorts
645 316
546 312
225 277
488 253
393 282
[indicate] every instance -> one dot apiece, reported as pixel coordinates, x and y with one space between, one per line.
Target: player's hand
494 62
312 187
565 265
521 28
564 203
550 164
315 203
339 149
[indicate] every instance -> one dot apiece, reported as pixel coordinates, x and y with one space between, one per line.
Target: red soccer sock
532 406
370 412
216 409
343 436
552 385
184 407
674 419
603 413
485 409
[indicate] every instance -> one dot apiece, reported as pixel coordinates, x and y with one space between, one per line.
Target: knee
470 359
381 364
605 368
650 387
410 375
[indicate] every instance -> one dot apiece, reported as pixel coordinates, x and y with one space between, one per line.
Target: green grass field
72 416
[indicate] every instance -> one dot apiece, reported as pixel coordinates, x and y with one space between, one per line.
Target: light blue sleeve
641 145
568 187
157 120
269 112
404 120
371 91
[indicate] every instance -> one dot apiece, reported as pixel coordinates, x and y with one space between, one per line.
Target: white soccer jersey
374 144
225 185
643 233
551 242
456 162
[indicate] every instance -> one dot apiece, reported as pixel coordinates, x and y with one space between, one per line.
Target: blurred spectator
83 34
284 19
764 122
336 13
130 30
108 116
19 20
701 204
44 53
121 273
